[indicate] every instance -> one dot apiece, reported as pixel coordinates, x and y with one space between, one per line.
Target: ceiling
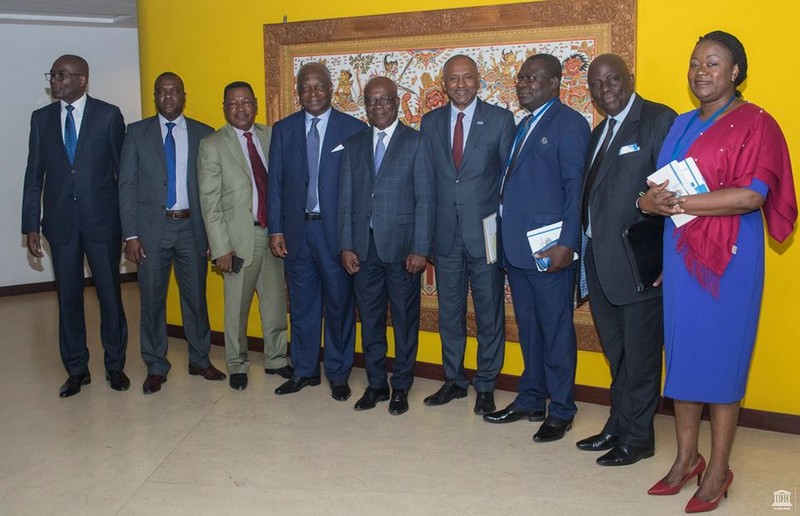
95 13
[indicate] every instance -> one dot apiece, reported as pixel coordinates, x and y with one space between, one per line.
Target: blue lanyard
676 151
527 126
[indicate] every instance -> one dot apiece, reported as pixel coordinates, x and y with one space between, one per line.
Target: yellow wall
211 43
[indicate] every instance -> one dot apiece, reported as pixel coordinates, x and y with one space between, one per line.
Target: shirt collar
240 133
620 117
469 111
389 130
322 118
79 104
179 122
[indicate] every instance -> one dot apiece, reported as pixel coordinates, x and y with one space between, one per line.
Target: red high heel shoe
662 488
697 505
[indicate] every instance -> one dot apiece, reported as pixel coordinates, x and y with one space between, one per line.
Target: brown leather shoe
153 383
209 373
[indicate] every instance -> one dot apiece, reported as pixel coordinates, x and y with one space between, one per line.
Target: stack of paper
684 179
542 239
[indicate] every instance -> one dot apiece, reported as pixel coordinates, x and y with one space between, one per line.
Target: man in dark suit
542 186
622 153
467 141
162 227
233 181
73 161
386 210
305 158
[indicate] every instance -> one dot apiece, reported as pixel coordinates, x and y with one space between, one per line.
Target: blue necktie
70 135
312 150
380 150
169 153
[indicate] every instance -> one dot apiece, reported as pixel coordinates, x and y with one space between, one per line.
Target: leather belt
178 214
313 216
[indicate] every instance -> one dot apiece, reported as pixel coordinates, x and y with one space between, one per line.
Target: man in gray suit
162 227
386 210
467 141
233 179
622 153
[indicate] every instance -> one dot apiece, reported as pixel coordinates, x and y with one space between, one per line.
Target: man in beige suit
233 192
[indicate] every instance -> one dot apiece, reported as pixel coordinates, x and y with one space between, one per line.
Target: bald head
69 78
461 80
610 83
314 88
381 101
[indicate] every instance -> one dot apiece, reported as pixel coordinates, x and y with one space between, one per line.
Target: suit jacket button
458 181
165 183
72 171
163 207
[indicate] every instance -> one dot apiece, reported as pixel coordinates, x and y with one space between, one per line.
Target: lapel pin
544 140
479 122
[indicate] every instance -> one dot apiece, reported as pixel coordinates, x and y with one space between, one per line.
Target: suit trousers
177 247
456 273
264 276
316 278
632 336
104 260
377 282
543 307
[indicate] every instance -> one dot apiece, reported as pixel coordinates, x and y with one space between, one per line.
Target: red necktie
260 176
458 141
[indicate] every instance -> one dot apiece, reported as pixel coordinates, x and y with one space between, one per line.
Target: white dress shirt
322 126
77 115
469 114
181 136
257 143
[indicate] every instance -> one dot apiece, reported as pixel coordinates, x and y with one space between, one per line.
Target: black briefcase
644 244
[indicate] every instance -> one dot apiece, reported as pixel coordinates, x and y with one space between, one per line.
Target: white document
544 238
490 237
684 179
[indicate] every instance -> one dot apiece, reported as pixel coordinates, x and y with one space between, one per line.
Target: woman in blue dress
714 265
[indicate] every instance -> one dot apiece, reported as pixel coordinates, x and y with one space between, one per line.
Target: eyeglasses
529 78
60 75
380 101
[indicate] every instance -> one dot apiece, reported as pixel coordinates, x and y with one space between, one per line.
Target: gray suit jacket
143 182
226 192
612 200
398 201
467 196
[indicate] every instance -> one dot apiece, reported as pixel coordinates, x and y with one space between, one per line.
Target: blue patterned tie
380 151
169 153
70 135
312 150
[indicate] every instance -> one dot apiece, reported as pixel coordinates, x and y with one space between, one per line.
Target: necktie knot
460 116
70 108
170 125
381 136
314 122
249 136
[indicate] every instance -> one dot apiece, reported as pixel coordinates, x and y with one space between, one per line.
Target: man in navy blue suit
305 158
541 186
386 210
73 162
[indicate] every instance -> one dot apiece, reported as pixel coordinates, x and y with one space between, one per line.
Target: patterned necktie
515 148
70 135
169 153
458 141
380 151
592 174
260 177
312 150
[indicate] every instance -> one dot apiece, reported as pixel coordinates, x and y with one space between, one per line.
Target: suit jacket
288 177
544 186
467 196
398 200
84 192
226 192
143 182
614 192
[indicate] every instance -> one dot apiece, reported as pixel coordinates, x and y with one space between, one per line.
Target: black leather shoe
118 380
484 403
552 429
209 373
74 383
399 403
624 455
371 398
286 371
153 383
599 442
509 415
340 392
295 384
238 381
447 393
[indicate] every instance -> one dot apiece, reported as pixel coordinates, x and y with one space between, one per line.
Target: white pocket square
628 149
338 148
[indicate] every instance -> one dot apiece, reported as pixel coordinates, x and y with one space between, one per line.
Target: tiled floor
198 447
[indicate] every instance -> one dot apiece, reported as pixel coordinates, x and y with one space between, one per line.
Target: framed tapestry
411 49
